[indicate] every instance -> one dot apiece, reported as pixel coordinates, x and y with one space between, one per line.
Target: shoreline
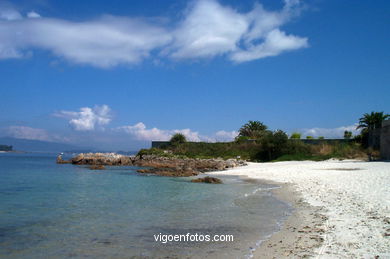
341 208
300 233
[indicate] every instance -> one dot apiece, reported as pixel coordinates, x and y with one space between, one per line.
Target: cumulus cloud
207 29
87 118
140 132
223 136
24 132
331 132
210 29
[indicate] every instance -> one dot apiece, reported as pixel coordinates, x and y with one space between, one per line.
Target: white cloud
225 135
140 132
33 14
331 132
24 132
105 42
275 43
87 118
211 29
207 29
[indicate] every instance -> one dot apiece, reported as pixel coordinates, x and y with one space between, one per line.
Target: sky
116 75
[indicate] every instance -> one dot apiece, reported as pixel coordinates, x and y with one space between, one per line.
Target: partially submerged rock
172 172
97 167
62 161
207 179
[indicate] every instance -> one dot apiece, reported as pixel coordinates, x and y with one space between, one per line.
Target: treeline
255 142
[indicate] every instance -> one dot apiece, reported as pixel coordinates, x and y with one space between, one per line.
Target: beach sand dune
353 197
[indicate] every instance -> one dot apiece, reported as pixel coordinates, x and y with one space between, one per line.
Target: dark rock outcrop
207 179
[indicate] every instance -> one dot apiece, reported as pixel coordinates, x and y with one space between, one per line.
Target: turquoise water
60 211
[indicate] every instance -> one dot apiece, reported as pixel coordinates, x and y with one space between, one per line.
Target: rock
62 161
207 179
97 167
101 159
160 165
172 172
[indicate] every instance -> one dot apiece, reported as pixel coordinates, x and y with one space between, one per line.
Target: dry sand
342 208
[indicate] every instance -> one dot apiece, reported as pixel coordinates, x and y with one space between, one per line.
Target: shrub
295 135
241 139
177 139
154 151
347 134
273 145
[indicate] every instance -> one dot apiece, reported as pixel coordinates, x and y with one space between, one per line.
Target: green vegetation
178 139
244 150
154 151
296 135
256 142
252 130
369 122
372 120
273 145
347 134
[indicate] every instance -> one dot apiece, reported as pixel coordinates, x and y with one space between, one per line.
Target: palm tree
252 129
372 121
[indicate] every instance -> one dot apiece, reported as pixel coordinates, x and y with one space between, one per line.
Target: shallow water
60 211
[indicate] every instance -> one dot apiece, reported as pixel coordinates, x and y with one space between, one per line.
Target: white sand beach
353 196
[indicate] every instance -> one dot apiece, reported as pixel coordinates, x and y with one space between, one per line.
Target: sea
50 210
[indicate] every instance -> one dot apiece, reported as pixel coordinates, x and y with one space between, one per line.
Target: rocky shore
164 166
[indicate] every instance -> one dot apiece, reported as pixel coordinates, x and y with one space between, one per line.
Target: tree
273 144
177 139
296 135
347 134
309 137
371 121
368 123
252 129
321 137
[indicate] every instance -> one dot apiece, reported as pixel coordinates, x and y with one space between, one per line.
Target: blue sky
118 75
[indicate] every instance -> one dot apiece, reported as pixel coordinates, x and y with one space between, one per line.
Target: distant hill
38 145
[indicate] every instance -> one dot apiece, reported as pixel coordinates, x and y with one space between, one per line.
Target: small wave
252 250
261 189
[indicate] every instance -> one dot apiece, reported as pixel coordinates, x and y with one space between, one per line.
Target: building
385 140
